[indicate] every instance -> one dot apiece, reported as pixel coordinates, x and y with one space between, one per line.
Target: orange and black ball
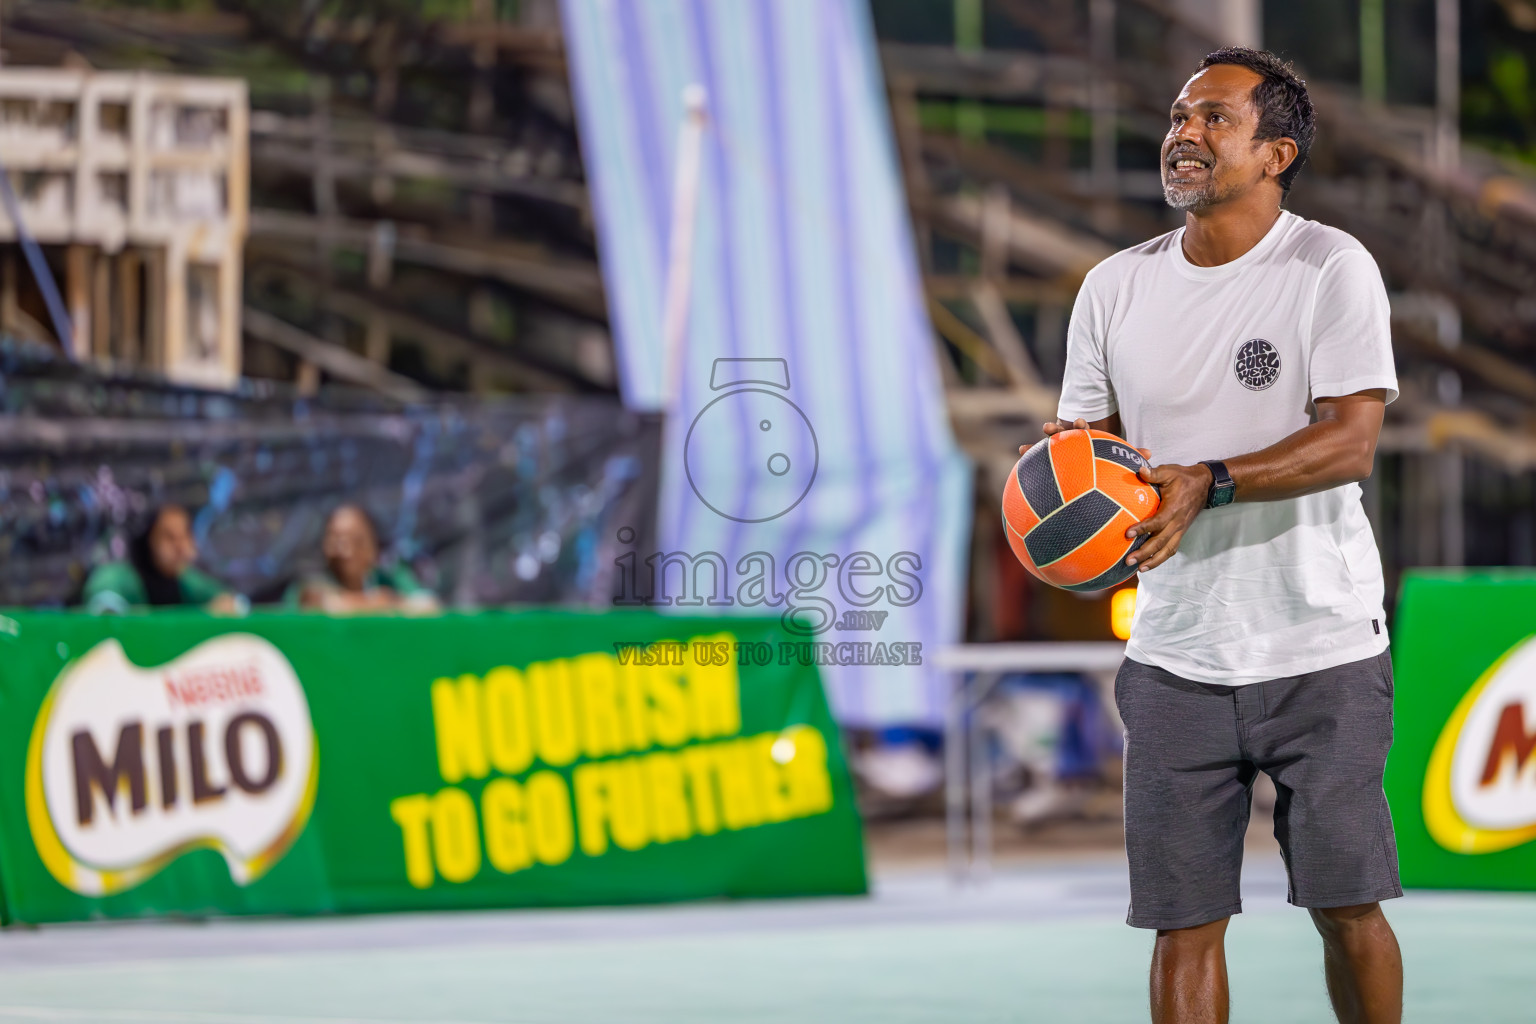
1068 503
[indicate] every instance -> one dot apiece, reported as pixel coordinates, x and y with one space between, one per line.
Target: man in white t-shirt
1249 353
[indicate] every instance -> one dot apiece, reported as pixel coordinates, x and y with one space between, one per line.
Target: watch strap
1223 489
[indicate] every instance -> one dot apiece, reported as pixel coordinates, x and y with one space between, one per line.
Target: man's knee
1337 921
1199 936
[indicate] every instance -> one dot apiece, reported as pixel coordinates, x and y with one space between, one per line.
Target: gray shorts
1191 753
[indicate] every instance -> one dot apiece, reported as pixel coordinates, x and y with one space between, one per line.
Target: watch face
751 455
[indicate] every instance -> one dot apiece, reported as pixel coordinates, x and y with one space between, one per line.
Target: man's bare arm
1339 448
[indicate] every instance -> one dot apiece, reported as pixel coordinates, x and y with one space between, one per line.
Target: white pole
1448 84
685 202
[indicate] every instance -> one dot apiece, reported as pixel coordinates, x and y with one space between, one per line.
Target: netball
1068 503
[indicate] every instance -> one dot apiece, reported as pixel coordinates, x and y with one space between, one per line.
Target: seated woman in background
354 581
159 572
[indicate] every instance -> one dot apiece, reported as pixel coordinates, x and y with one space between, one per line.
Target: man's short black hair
1285 109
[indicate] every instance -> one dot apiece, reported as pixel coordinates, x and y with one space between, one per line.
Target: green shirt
117 587
398 578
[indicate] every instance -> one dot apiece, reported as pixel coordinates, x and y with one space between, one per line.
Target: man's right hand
1057 427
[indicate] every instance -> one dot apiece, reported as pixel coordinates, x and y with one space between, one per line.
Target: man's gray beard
1198 197
1190 197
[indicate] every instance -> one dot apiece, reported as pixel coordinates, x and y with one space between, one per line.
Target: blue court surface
1037 943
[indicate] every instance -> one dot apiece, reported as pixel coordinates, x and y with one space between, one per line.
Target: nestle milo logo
1480 786
130 767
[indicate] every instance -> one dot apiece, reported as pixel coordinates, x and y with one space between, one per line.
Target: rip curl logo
1480 786
1257 365
129 767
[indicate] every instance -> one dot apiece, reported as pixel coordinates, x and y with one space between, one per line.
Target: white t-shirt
1214 362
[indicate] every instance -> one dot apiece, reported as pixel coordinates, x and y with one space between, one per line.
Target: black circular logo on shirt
1257 365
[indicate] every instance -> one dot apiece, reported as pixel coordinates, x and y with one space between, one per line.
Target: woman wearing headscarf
159 571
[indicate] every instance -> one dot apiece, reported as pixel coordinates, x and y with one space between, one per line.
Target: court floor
1043 943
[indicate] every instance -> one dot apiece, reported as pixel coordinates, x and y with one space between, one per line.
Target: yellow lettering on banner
597 679
738 785
506 829
507 733
810 787
770 774
626 804
715 692
455 835
410 813
460 737
662 797
594 707
554 716
592 808
669 706
669 808
636 709
703 793
549 817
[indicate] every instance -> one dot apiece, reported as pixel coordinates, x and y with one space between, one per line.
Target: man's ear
1282 153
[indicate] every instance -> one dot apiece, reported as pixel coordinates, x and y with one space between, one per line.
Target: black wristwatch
1223 490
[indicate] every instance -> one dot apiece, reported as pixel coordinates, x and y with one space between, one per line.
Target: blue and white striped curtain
803 253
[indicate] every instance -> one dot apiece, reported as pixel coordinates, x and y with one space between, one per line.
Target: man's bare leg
1189 975
1362 963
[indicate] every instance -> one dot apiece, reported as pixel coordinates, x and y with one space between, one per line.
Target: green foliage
173 6
999 119
1509 74
1499 109
445 10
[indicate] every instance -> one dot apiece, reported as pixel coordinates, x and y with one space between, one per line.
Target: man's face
170 542
351 550
1209 155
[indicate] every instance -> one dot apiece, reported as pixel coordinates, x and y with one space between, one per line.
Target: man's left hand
1183 491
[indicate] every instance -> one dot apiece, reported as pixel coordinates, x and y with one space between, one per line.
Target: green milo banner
1461 778
182 764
